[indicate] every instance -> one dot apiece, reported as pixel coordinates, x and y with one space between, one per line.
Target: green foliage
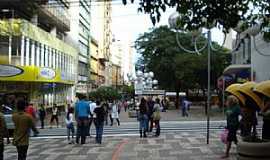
224 14
105 93
128 90
171 65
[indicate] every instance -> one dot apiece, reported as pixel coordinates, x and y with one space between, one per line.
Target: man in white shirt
92 106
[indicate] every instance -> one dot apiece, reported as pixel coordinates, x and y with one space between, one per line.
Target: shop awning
236 68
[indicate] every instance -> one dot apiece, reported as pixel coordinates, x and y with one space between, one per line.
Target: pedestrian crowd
149 116
79 119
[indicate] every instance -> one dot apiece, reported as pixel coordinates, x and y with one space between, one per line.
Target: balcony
53 15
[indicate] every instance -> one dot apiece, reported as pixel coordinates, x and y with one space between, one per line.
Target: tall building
101 30
36 63
79 37
97 66
117 52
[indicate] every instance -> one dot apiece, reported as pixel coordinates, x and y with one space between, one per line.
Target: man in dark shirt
100 115
23 123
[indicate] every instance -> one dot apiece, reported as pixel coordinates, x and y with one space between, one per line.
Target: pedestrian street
169 146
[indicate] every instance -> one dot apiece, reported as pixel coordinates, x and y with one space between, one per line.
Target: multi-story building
250 62
101 30
117 52
80 37
97 66
35 61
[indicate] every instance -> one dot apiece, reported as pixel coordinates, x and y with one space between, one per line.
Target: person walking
82 111
115 114
23 123
92 106
3 132
55 113
99 121
232 113
70 125
42 115
185 107
156 116
143 117
150 111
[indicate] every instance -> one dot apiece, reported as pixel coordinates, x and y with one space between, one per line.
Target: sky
128 24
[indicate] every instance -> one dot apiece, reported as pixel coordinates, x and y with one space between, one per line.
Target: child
69 123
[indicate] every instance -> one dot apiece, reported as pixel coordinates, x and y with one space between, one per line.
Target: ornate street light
196 34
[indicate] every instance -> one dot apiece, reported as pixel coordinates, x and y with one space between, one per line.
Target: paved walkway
180 146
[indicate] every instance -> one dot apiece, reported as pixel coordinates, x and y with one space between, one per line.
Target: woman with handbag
232 113
156 116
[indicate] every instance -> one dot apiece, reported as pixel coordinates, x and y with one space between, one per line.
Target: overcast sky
128 24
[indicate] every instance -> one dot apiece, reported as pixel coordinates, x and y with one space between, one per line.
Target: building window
83 48
82 69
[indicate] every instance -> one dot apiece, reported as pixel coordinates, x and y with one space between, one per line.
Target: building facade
101 31
79 37
251 59
97 66
35 61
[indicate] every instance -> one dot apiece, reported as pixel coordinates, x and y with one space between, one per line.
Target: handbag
224 136
156 116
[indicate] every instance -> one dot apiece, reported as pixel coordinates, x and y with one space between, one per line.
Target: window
82 69
83 48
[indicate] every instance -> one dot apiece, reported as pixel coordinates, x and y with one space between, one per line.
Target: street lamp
173 24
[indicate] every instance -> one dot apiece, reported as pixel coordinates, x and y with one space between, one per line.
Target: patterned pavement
171 146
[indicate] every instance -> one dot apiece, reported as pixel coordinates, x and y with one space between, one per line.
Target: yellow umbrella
247 89
234 90
263 88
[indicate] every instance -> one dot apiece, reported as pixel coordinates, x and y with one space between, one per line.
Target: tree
174 68
225 14
105 93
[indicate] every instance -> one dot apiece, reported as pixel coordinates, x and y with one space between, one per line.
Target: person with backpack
70 125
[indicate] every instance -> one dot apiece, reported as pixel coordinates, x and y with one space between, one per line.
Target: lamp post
208 44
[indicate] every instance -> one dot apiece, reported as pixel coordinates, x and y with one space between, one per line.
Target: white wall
260 63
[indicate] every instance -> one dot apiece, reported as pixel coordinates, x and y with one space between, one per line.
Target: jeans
22 152
99 132
42 122
70 128
1 151
157 124
151 121
91 120
144 122
82 126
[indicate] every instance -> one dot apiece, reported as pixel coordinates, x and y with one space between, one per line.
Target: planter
253 151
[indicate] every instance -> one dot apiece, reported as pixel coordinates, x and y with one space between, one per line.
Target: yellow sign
32 74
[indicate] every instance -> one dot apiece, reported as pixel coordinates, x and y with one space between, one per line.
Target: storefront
39 85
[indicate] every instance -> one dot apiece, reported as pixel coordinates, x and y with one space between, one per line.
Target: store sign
47 73
9 71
